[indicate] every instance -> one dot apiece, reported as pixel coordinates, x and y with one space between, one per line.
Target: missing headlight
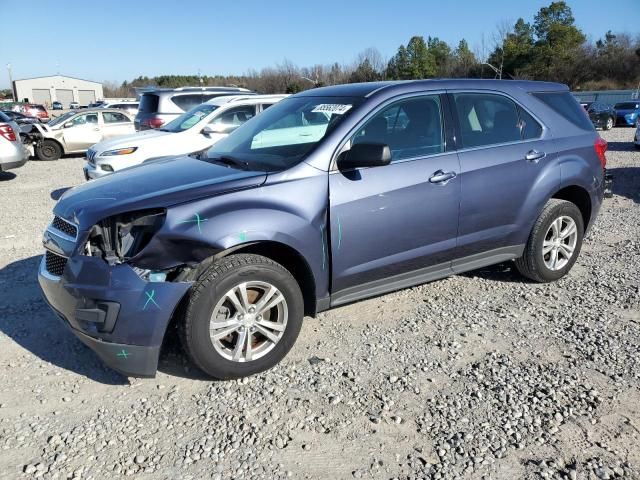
121 237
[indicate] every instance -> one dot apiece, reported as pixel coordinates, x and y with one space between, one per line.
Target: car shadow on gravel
621 147
626 182
500 272
4 176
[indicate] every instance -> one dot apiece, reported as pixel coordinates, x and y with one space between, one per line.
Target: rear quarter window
566 106
148 103
187 102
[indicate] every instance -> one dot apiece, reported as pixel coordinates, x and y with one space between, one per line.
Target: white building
46 90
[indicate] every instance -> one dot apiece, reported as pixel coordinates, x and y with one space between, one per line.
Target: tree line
551 47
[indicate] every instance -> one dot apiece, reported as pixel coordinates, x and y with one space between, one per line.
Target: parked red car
33 110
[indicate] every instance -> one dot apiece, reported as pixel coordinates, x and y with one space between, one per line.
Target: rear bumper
113 311
13 155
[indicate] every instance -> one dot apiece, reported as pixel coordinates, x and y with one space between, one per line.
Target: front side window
87 118
235 116
114 117
411 128
284 134
189 119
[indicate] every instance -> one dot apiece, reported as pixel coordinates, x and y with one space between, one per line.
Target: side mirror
365 155
218 128
68 124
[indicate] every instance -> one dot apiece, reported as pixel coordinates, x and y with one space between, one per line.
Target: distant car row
605 116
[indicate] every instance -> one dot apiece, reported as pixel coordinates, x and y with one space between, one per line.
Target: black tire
49 150
532 264
218 279
608 125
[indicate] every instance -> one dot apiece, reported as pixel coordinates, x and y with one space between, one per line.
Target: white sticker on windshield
336 108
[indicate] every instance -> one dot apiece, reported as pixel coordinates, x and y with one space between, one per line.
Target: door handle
534 155
96 129
442 177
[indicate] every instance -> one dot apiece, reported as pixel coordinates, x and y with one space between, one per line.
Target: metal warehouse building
46 90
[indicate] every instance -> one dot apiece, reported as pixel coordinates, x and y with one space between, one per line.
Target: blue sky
117 40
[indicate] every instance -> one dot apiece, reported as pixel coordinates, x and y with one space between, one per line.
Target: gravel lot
477 376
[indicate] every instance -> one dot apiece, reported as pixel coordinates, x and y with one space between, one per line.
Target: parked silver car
159 106
75 132
13 153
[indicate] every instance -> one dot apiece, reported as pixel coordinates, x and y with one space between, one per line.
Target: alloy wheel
248 321
559 243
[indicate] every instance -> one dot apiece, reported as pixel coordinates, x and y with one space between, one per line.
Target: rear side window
114 117
567 106
529 126
187 102
148 103
486 119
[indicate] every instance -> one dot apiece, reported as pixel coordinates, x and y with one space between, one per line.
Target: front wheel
554 243
49 150
243 316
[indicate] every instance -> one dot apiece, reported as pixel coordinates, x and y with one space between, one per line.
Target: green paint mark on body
242 236
197 220
124 354
150 299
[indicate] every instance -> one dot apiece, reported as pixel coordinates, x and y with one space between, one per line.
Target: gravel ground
518 380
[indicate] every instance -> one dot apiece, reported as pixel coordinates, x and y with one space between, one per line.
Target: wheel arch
281 253
580 197
54 140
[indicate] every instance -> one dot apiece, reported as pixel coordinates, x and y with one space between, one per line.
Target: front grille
54 263
64 226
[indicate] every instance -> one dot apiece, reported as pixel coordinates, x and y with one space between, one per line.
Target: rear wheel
554 243
243 316
49 150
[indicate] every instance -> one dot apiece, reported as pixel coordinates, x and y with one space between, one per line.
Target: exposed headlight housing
119 238
119 151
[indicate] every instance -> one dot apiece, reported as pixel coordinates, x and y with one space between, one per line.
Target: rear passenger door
502 150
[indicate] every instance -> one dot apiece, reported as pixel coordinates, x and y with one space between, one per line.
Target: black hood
160 183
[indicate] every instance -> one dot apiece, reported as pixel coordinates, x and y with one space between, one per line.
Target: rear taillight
7 132
154 122
601 147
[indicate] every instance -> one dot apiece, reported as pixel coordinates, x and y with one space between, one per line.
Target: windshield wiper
231 162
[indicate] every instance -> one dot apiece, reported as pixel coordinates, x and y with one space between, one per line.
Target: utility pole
13 97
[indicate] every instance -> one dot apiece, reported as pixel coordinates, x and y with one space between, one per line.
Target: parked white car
193 131
13 154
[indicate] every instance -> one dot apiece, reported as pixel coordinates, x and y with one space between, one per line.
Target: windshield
189 119
627 106
284 134
61 119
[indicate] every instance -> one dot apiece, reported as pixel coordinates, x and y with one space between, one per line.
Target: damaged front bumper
111 309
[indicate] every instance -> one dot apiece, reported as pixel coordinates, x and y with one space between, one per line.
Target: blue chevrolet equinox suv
333 195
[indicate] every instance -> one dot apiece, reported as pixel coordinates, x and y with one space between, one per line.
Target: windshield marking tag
337 108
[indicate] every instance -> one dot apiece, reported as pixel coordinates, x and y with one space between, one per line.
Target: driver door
396 225
84 132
